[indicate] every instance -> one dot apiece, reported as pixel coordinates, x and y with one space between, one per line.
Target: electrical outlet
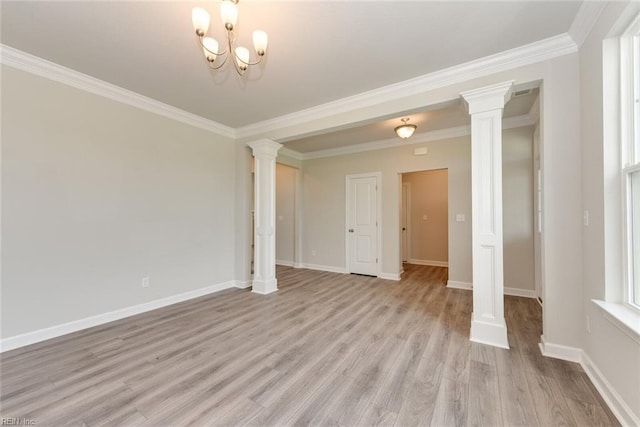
313 253
145 282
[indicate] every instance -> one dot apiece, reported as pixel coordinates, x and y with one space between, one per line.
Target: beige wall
96 196
518 209
429 237
285 214
613 351
324 203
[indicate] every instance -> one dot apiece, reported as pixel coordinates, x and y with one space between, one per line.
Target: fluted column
485 106
264 269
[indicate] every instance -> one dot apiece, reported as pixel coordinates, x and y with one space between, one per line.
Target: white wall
324 203
98 194
614 353
285 214
429 195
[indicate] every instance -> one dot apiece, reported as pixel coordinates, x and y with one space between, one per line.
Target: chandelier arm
205 48
231 52
250 63
221 64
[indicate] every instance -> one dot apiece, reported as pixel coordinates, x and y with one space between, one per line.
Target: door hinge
376 260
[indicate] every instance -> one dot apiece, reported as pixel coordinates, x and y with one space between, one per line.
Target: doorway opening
424 218
287 201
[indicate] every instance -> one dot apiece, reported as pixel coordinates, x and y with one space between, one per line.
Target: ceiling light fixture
405 130
241 55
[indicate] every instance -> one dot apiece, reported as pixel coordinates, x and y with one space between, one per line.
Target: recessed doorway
424 217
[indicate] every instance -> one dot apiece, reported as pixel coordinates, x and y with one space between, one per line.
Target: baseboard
243 284
389 276
619 408
453 284
285 263
328 268
428 262
557 351
298 265
100 319
516 292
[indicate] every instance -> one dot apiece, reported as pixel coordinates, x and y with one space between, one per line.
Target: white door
362 224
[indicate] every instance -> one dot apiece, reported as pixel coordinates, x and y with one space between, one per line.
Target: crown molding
531 53
290 153
32 64
585 19
420 138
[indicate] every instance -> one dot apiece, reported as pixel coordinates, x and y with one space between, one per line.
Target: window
630 127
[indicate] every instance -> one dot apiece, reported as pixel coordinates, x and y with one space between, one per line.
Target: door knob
351 230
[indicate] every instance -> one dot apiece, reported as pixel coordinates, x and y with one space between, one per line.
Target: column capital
487 98
265 147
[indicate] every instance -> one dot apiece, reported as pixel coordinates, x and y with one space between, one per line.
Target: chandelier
405 130
210 46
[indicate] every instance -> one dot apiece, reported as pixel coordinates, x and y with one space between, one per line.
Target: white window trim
615 307
629 128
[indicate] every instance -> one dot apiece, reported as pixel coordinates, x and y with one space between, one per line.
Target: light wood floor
327 349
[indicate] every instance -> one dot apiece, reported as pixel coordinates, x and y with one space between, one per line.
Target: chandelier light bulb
210 48
242 57
229 14
260 41
201 20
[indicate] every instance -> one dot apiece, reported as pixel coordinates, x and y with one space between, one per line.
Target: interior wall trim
585 19
620 409
41 67
429 262
389 276
420 138
549 48
514 292
33 337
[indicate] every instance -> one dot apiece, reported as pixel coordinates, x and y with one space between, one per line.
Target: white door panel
362 225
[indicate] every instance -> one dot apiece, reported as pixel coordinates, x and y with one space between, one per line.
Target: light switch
280 218
585 218
424 217
459 217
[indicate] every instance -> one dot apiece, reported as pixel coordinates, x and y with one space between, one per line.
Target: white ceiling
319 51
443 117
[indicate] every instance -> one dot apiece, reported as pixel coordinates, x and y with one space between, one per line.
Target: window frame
630 142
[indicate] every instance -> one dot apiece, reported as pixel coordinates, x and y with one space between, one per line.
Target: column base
264 287
490 333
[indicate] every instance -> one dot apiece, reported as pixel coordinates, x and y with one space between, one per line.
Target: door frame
406 210
348 178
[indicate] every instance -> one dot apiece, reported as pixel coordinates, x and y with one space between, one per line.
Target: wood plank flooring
326 349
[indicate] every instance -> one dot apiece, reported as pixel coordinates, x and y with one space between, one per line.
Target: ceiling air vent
522 93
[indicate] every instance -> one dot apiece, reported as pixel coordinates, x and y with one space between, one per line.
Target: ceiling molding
420 138
290 153
585 19
531 53
32 64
